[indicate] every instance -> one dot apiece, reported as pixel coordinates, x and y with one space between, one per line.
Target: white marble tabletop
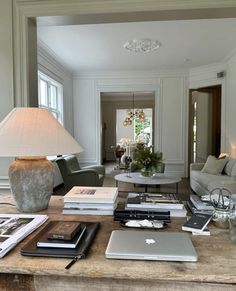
156 179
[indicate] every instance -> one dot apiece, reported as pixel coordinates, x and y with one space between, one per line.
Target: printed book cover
92 194
197 222
15 227
153 201
64 230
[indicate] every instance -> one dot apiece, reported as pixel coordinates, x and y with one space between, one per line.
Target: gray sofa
203 183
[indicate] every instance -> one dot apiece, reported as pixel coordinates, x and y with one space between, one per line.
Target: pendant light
134 114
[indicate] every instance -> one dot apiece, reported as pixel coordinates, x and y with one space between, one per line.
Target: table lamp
31 134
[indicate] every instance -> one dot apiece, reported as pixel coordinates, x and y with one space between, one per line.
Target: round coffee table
156 179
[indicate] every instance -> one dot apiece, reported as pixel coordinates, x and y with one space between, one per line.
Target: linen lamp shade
30 134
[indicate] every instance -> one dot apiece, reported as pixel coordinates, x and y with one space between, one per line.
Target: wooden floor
109 181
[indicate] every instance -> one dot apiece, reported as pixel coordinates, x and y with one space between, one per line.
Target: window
138 131
51 96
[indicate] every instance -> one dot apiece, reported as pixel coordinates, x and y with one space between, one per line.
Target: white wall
171 114
231 106
6 78
50 66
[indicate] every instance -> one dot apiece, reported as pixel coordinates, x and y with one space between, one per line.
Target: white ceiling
185 44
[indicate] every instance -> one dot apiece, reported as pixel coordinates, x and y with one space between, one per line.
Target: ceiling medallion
144 45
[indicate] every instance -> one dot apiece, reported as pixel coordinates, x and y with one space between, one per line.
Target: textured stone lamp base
31 181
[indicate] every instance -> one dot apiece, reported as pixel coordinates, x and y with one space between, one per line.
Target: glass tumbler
232 218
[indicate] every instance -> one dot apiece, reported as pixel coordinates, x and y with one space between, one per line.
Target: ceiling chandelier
134 114
144 45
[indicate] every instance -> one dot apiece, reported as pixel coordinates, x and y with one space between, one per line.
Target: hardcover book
45 242
195 210
100 206
92 194
153 201
205 231
64 230
197 222
199 204
87 211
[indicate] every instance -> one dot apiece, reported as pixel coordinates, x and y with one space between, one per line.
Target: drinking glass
232 218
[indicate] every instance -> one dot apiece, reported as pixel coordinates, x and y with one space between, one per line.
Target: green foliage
141 125
147 158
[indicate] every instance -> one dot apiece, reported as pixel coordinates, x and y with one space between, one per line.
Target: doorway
114 109
204 123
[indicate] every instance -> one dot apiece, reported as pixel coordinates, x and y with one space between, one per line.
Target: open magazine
15 227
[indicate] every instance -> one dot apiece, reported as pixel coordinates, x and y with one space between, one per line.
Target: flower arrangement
148 159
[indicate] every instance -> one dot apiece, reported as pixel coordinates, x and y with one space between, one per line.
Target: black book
46 242
197 222
81 250
123 214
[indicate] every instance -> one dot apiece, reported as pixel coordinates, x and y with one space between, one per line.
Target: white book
87 211
205 231
92 194
15 227
177 212
110 206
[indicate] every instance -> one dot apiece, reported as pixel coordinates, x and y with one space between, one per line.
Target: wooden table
215 270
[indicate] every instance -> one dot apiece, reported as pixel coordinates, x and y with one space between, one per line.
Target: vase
146 172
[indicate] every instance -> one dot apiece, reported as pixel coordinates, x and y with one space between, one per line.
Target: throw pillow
229 167
214 166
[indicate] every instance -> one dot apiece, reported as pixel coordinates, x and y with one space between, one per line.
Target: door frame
216 90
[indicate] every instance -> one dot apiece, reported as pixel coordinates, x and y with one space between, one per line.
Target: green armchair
73 175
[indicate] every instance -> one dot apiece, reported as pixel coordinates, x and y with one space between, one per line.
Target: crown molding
58 7
46 53
129 74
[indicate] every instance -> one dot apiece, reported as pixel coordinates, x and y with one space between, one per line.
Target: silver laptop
150 245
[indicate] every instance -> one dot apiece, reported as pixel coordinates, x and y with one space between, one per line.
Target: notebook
31 249
150 245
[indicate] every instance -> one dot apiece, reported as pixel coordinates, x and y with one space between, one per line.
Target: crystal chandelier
134 114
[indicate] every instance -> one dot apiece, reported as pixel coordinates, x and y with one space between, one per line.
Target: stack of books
196 205
156 202
62 239
197 224
91 200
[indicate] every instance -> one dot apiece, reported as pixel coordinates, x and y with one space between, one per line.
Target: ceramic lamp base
31 181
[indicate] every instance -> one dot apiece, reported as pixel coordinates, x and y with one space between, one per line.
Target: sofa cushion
205 179
210 182
233 172
229 166
214 166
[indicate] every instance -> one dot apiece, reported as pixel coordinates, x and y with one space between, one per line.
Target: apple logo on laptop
150 241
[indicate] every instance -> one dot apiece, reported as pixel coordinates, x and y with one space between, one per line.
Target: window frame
50 82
